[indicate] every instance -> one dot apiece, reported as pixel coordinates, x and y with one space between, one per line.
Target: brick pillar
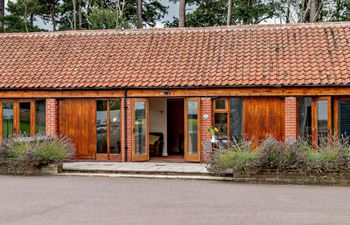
129 128
205 123
51 117
290 123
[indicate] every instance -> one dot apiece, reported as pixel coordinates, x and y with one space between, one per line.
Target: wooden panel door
140 134
192 130
263 116
77 120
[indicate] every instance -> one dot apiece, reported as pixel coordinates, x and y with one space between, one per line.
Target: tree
341 11
21 16
253 11
49 11
106 18
215 13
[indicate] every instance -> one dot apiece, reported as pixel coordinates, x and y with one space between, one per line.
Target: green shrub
273 155
21 154
52 151
237 158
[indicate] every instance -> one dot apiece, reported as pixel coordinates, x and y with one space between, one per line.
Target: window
322 119
344 118
192 127
7 119
228 117
25 117
108 126
323 123
40 116
305 121
114 136
236 107
315 123
220 103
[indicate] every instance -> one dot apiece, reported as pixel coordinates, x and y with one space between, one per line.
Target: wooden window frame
138 157
108 155
227 102
16 115
187 156
226 110
314 119
336 115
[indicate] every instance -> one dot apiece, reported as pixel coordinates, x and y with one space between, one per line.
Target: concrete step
145 168
135 172
150 176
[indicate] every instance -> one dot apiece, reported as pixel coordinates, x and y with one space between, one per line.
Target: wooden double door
140 129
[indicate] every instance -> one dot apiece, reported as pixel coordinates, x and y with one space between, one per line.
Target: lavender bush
23 153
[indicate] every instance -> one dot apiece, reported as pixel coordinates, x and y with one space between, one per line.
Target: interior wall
158 119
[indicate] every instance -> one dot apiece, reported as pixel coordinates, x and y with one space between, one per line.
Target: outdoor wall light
165 92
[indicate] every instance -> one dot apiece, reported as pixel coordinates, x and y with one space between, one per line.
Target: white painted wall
158 119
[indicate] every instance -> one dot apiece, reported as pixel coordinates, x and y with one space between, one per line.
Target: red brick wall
290 110
205 123
129 128
51 117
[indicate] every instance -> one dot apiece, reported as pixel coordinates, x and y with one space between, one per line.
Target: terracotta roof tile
293 54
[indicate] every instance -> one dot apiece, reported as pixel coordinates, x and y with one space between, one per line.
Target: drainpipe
125 127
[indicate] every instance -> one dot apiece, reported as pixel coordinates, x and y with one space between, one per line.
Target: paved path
149 167
92 201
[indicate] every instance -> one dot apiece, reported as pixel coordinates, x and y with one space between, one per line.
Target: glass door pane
7 119
236 108
140 130
322 121
114 110
220 122
101 126
24 118
40 116
191 128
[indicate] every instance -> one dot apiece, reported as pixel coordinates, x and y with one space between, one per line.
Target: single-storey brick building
115 93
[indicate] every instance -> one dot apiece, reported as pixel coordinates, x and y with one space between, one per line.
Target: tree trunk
32 19
53 18
80 15
26 17
139 14
313 10
182 13
288 11
74 15
2 13
229 12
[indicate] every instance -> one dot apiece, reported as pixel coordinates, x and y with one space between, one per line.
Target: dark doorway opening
175 127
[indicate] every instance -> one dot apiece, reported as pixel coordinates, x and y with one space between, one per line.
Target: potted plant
213 132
